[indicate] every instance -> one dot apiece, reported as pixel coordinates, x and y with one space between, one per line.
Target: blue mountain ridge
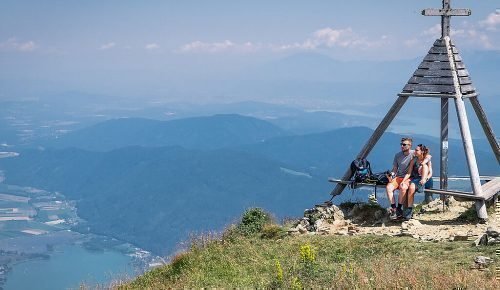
142 194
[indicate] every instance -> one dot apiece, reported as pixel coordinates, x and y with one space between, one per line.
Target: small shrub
253 221
273 231
470 215
178 264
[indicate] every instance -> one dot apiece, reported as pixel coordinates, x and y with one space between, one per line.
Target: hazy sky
78 44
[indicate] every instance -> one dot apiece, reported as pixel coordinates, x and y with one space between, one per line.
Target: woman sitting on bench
421 176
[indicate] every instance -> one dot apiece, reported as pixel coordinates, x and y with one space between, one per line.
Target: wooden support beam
488 131
466 137
443 174
379 131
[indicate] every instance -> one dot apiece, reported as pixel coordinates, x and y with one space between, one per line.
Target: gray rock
482 261
301 229
318 224
337 213
493 241
492 232
482 240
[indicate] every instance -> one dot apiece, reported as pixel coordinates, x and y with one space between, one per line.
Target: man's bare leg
403 188
411 195
390 196
390 193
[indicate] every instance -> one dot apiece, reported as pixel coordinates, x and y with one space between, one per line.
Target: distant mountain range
154 196
194 133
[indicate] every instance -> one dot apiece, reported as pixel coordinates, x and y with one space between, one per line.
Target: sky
128 47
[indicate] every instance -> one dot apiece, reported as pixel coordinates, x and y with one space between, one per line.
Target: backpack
381 178
361 170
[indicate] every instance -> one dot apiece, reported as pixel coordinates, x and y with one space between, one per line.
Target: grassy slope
340 261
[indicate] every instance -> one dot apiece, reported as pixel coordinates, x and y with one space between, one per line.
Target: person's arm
427 159
410 169
429 174
394 165
425 172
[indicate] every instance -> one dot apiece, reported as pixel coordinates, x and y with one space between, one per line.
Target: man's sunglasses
405 144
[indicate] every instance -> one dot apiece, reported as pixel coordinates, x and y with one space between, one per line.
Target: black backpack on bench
361 171
381 178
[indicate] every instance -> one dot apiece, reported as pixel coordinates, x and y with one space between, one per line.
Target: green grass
235 260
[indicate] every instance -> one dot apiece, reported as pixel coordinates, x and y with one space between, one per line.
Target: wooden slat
467 89
430 88
494 183
491 188
435 95
470 95
462 73
441 49
432 73
465 80
431 81
427 95
462 194
440 65
439 42
438 80
446 12
441 57
439 73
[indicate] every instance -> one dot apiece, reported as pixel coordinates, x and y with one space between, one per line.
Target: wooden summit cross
442 74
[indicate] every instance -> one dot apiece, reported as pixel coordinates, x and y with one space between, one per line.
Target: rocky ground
433 222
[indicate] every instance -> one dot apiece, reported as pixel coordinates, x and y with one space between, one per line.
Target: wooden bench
489 189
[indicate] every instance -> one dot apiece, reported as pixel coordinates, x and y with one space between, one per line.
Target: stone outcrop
432 224
331 219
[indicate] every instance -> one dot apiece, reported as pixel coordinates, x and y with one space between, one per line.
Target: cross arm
446 12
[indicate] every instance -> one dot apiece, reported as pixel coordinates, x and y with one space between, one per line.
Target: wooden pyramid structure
442 74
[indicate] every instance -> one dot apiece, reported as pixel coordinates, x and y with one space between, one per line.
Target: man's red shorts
396 182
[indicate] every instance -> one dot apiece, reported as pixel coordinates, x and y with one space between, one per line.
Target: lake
69 267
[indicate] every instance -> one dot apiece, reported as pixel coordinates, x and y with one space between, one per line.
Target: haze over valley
127 129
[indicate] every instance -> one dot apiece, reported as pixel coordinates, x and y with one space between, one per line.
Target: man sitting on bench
400 178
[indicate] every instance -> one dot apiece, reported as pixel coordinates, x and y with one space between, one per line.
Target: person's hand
422 181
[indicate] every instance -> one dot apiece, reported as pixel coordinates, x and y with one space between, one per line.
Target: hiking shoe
399 213
408 214
392 214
